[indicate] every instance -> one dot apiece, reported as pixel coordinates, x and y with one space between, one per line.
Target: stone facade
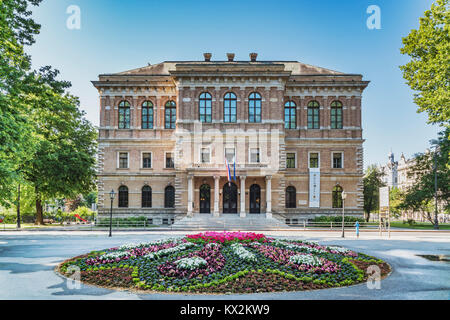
325 122
396 173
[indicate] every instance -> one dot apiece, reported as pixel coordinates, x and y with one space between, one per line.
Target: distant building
396 172
397 175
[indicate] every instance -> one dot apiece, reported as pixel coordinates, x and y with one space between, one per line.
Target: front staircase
228 222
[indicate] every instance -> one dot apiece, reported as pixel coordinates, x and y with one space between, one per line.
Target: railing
330 225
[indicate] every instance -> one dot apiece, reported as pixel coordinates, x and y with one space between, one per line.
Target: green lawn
420 226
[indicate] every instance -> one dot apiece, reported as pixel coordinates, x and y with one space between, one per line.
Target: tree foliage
420 196
428 72
372 182
64 161
396 197
17 29
44 137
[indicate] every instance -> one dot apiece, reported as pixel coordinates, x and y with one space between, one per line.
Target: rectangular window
205 155
314 160
169 161
230 154
123 160
290 160
337 160
146 160
254 155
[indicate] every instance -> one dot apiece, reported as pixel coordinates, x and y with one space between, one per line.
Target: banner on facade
314 187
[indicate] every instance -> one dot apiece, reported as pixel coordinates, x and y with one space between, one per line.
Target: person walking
357 229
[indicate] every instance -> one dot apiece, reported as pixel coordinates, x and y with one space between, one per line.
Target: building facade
276 138
396 173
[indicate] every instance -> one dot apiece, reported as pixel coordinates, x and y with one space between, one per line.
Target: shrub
337 219
84 213
128 220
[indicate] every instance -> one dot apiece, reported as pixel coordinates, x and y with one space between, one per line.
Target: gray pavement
27 260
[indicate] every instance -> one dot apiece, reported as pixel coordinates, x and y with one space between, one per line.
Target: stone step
208 222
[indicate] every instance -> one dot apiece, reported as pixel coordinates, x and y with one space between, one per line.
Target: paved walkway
27 260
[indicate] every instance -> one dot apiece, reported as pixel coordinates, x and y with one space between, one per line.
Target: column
268 197
242 214
190 195
216 196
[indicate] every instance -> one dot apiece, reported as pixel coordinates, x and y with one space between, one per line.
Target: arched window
254 107
170 114
313 115
146 197
147 115
169 197
337 197
229 107
291 197
123 197
204 107
124 115
336 115
290 118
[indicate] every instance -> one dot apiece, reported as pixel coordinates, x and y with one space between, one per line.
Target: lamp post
436 224
344 195
112 195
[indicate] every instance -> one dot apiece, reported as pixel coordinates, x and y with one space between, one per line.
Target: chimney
207 56
230 57
253 57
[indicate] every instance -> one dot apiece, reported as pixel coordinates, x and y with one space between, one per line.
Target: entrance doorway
205 198
255 199
229 198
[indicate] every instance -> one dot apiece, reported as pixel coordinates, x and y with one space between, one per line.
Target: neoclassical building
290 134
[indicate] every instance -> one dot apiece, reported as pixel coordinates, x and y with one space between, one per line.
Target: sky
119 35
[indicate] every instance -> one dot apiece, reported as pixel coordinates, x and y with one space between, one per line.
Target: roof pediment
174 67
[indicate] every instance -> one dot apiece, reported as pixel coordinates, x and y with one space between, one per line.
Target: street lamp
436 225
112 195
344 195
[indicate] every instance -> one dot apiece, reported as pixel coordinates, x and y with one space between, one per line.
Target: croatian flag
228 169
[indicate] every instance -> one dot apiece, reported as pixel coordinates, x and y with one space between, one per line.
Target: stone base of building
170 216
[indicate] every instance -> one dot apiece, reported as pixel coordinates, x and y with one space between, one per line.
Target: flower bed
220 262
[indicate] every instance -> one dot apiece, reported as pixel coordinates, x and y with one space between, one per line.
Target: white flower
338 249
241 252
306 259
114 255
165 252
298 247
190 263
129 246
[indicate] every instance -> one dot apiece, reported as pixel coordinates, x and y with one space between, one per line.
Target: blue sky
120 35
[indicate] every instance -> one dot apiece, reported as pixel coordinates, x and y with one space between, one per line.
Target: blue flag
234 170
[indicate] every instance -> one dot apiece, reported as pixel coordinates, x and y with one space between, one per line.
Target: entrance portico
216 196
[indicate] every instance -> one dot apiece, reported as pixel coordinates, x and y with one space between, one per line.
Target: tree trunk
39 213
18 207
429 218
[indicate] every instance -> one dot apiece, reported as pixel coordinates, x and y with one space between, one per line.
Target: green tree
17 30
372 182
420 197
44 137
395 199
64 160
428 72
90 198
